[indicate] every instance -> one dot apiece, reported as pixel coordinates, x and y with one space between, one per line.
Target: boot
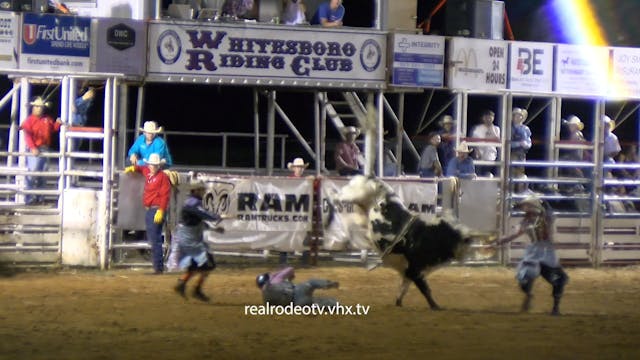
198 294
526 303
180 288
556 306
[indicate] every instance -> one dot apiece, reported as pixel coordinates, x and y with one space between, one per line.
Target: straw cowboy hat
531 204
463 148
197 185
154 159
447 119
575 121
297 162
151 127
38 101
350 130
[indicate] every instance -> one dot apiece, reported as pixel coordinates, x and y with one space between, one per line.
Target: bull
406 243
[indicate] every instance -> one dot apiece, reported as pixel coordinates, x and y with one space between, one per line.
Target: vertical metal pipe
378 14
25 94
63 163
271 129
13 128
103 207
399 131
323 123
597 190
256 130
139 111
317 132
380 132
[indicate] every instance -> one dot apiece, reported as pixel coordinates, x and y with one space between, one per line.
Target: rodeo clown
539 257
193 252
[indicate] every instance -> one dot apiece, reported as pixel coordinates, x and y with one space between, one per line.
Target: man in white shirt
486 130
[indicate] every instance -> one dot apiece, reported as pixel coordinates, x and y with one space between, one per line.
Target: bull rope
400 236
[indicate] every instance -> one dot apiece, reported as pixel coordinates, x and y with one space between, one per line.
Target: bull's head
364 191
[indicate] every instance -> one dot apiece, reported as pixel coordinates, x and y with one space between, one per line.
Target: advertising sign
8 41
268 55
477 64
55 43
581 70
625 79
418 60
531 67
119 46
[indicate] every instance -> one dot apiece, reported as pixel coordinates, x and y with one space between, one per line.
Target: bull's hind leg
404 286
418 278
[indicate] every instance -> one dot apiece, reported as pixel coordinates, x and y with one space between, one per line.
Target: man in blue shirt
329 14
462 165
149 143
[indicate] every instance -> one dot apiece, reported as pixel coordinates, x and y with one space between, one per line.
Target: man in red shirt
38 128
155 198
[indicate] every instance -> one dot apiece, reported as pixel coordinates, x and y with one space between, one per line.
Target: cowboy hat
38 101
351 130
151 127
154 159
197 185
575 121
447 119
463 147
297 162
522 112
531 203
607 121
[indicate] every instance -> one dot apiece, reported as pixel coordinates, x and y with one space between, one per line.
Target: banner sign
268 55
347 227
418 60
120 46
8 41
531 67
581 70
477 64
55 43
261 213
625 80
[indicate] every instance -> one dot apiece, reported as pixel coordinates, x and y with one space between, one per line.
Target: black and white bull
405 242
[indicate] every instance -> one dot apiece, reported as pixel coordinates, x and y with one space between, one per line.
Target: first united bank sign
266 53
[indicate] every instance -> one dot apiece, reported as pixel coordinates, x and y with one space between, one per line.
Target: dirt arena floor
126 314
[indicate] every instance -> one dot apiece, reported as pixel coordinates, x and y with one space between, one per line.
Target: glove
129 169
159 216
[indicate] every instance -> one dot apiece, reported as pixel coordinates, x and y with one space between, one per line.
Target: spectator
297 167
157 191
611 144
520 135
38 129
278 289
150 143
461 166
193 251
486 130
574 126
329 14
81 110
347 154
237 8
446 149
294 13
429 165
539 256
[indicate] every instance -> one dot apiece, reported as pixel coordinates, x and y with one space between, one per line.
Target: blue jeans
154 236
36 163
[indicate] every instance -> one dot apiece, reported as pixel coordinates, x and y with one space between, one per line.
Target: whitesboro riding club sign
268 53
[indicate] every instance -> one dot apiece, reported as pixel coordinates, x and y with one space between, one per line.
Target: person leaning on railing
329 14
38 129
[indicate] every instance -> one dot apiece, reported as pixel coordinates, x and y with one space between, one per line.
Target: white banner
263 213
418 60
625 81
347 229
268 55
8 41
581 70
531 66
477 64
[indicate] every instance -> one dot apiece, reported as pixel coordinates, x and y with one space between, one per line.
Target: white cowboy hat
607 121
151 127
463 147
154 159
524 113
297 162
38 101
351 130
575 121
